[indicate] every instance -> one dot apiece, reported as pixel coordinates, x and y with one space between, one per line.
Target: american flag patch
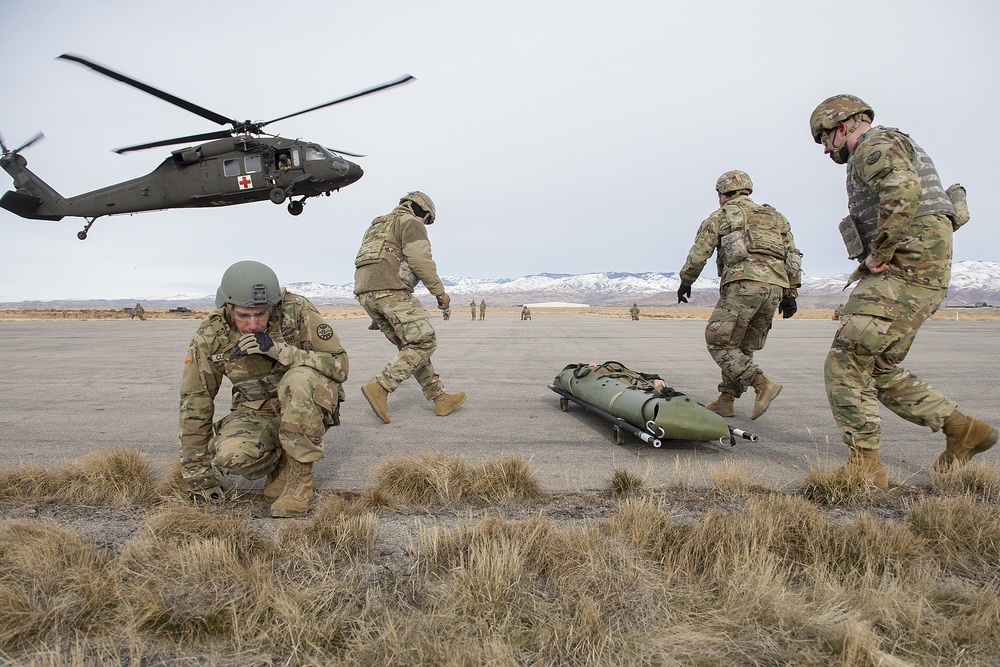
189 356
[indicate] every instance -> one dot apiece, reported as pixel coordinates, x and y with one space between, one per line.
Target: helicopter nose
354 172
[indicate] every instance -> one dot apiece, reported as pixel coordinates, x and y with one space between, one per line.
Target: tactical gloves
787 306
444 301
683 292
257 343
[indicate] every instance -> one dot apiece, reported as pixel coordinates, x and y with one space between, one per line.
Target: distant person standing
395 255
482 309
473 306
760 270
138 311
525 313
634 312
900 230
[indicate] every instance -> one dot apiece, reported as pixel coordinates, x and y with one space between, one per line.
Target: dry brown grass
738 575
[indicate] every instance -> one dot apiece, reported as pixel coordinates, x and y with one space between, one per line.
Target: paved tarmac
71 387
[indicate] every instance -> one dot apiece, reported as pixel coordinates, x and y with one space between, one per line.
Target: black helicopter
238 165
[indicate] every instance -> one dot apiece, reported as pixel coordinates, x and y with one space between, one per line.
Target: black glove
256 343
787 306
682 292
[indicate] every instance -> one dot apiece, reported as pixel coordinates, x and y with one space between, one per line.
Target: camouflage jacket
212 355
741 217
917 248
392 241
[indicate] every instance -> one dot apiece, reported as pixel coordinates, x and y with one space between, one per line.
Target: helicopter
237 165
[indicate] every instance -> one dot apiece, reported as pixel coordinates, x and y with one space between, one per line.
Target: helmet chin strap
843 154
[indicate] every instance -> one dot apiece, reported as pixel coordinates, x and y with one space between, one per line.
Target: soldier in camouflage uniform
138 311
634 312
473 306
395 254
286 365
482 309
760 270
900 230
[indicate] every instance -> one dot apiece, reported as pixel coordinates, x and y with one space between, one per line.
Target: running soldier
900 230
395 255
760 270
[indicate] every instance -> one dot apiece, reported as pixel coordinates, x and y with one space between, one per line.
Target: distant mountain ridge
972 282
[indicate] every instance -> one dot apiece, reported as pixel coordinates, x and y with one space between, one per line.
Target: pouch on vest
406 274
762 236
734 249
852 238
374 241
956 193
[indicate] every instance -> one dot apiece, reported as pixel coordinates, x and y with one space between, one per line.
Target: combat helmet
424 202
833 111
248 284
731 181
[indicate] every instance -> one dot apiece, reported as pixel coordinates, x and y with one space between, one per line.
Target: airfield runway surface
73 387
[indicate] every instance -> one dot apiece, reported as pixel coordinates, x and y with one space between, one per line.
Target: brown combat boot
276 479
378 398
766 391
868 464
445 403
723 405
294 500
967 436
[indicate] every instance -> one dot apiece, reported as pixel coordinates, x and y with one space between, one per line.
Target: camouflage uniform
634 312
482 310
139 312
753 281
277 405
525 313
473 306
384 287
885 310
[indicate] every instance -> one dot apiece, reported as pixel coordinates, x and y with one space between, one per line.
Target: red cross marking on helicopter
244 182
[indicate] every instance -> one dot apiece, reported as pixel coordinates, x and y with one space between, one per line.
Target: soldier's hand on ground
213 495
682 292
444 301
256 343
787 306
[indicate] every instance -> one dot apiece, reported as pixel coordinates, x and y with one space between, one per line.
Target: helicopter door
240 174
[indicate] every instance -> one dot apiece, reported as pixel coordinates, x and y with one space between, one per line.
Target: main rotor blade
218 134
406 78
30 141
155 92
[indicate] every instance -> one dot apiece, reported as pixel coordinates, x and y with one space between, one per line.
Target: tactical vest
375 248
863 204
748 229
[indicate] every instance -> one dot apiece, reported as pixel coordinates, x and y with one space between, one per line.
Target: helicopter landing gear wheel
277 196
82 235
295 207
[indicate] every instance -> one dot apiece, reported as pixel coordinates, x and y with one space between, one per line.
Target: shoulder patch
189 356
324 331
873 158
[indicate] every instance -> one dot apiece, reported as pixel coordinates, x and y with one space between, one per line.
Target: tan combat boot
294 500
723 405
766 391
445 403
967 436
378 398
865 463
276 479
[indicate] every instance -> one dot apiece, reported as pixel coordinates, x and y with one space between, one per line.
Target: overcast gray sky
561 137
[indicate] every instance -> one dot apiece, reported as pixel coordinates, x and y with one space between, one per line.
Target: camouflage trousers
249 440
737 328
407 325
878 325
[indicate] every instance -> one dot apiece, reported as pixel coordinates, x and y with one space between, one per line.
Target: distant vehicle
180 309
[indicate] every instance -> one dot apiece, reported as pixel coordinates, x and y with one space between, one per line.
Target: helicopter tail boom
34 198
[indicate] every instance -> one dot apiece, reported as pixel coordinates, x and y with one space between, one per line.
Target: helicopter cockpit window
317 153
231 167
252 163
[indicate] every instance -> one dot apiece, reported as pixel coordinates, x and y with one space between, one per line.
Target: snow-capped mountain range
972 282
